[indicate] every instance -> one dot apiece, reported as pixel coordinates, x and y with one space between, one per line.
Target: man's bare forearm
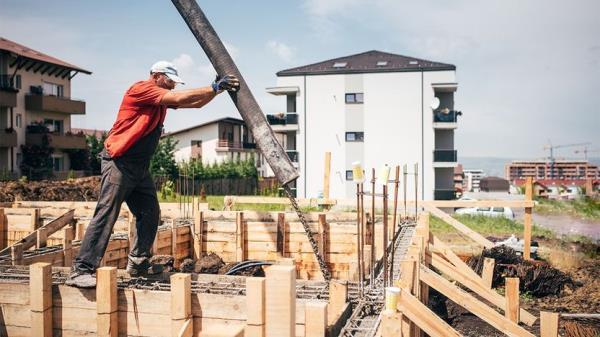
185 98
199 103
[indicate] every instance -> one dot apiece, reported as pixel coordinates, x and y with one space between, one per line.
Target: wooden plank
240 238
15 293
255 300
441 247
511 289
280 232
487 274
181 305
35 219
473 235
488 294
549 324
326 176
391 323
16 254
3 230
473 203
472 304
67 243
527 220
198 234
280 317
338 296
107 302
323 241
315 319
80 230
51 227
423 317
40 303
42 238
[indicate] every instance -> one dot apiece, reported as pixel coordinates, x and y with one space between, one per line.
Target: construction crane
553 147
586 151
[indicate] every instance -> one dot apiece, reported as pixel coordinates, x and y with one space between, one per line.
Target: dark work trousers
122 180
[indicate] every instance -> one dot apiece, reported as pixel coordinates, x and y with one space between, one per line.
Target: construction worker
125 169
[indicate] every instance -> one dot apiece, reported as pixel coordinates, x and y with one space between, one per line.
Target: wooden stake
281 233
315 319
241 253
487 274
80 231
527 219
280 301
35 219
326 177
549 324
255 306
182 324
16 254
511 289
391 323
323 236
106 302
198 233
3 230
67 246
338 297
42 238
131 230
40 299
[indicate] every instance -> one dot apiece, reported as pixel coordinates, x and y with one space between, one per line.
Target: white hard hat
168 69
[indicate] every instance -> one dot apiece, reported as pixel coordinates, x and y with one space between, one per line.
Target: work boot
81 279
141 266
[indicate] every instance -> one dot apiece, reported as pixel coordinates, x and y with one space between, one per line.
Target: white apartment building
214 142
373 107
36 88
473 179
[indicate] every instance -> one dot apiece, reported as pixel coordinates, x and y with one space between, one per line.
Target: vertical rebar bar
416 189
372 266
358 239
405 180
396 182
362 236
385 234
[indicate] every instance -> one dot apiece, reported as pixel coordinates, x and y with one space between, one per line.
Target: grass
215 202
488 226
585 207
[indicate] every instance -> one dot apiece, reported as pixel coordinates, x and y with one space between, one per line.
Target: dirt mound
537 278
81 189
207 264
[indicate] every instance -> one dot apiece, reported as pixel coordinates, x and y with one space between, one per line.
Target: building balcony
41 102
230 145
8 92
445 158
444 194
8 138
446 120
57 140
283 122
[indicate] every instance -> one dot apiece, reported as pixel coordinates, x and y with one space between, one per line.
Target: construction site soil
80 189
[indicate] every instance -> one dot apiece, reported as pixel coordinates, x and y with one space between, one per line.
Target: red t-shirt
139 114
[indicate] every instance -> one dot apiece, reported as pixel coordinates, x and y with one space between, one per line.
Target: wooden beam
182 324
35 219
131 230
326 177
486 293
473 203
16 254
106 302
67 243
487 274
40 299
241 251
511 291
80 231
280 301
255 306
198 233
323 236
527 220
423 317
338 297
3 230
472 304
280 233
391 323
549 324
42 238
441 247
315 319
473 235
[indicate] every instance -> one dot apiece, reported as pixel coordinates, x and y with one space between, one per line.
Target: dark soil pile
81 189
207 264
537 278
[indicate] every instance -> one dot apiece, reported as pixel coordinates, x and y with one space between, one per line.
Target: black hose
246 265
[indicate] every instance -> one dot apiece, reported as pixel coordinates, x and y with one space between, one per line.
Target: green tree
95 146
37 160
163 162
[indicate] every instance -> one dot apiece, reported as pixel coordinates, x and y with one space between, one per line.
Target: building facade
35 88
375 108
559 169
225 139
472 179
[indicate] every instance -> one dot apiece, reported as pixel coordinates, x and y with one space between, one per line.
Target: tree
37 160
95 146
163 161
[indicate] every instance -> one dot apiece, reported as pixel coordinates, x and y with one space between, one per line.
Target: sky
528 71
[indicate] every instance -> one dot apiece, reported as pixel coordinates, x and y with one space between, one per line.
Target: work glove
227 82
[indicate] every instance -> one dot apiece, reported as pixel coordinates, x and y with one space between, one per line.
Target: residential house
472 179
494 184
35 88
376 108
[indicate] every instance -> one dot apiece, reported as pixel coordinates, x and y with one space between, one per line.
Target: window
340 64
18 81
19 120
54 125
382 63
349 175
355 136
53 89
57 163
354 98
498 209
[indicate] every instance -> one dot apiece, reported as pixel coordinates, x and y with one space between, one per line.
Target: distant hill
495 166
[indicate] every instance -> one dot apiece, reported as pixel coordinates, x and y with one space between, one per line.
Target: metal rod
358 237
405 180
396 182
362 240
416 189
385 235
372 266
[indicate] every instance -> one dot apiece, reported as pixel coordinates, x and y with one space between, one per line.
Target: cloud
283 51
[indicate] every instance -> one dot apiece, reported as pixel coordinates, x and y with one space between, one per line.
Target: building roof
372 61
554 182
31 54
230 120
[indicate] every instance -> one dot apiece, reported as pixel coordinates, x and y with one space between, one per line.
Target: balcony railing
230 144
289 118
444 194
450 117
57 140
42 102
8 138
293 154
8 92
446 156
